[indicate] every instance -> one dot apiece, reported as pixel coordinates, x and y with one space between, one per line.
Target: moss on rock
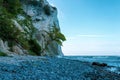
3 54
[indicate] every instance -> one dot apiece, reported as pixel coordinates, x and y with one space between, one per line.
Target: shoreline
51 68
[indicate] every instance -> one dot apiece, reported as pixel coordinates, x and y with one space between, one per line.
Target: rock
17 50
3 45
50 68
18 25
99 64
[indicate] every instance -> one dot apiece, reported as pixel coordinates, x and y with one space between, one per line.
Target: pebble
50 68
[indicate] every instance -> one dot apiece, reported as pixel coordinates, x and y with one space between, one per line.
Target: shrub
57 36
1 2
24 43
27 22
14 35
34 46
7 27
12 6
2 53
31 53
6 24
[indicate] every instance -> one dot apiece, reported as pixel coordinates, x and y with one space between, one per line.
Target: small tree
12 6
57 36
35 47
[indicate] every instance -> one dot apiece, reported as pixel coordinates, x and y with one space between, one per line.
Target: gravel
51 68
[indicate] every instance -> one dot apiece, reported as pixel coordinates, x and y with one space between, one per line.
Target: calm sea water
110 60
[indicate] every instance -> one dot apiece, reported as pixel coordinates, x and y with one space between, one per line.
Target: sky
92 27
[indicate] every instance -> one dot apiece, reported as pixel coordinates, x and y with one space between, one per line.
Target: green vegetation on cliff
2 53
9 10
57 36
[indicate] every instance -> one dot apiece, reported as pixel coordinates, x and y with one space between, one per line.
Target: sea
110 60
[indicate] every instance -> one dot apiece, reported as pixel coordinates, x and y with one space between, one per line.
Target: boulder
99 64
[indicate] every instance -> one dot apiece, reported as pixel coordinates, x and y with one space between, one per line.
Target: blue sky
92 27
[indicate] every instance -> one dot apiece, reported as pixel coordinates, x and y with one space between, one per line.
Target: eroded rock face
44 22
4 46
42 16
18 50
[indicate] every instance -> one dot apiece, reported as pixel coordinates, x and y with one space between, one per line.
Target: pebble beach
51 68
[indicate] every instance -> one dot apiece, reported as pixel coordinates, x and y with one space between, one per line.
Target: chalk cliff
29 27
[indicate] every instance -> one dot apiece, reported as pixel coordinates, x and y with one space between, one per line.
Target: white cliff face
3 45
18 25
40 20
33 30
44 23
